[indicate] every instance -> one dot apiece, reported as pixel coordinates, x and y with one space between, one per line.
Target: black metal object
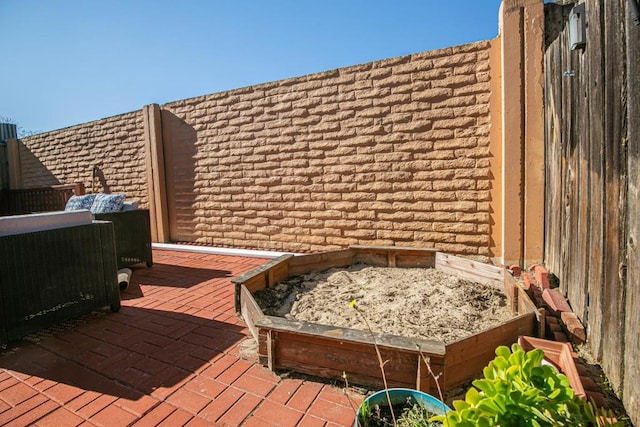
634 9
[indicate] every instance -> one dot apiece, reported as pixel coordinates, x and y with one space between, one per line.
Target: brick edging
561 323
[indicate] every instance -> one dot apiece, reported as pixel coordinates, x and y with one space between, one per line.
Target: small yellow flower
352 304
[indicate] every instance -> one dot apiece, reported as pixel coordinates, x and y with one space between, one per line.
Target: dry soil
412 302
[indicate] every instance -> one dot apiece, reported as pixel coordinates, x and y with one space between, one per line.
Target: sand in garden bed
412 302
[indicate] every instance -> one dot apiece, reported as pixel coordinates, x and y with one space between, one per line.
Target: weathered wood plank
394 256
509 286
329 358
554 23
346 334
272 338
615 192
262 277
251 312
467 357
318 262
331 354
591 174
580 131
631 362
470 270
263 352
590 308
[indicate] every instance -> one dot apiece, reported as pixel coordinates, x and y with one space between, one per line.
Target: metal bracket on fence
634 9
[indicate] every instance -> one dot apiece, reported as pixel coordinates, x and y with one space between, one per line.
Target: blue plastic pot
400 395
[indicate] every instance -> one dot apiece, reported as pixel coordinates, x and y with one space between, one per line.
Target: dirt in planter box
412 302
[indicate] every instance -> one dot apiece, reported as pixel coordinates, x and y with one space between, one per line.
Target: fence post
4 167
534 157
156 173
15 167
7 131
522 41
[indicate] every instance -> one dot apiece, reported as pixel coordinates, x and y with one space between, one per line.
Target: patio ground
171 356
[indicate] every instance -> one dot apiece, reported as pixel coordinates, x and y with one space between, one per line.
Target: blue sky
66 62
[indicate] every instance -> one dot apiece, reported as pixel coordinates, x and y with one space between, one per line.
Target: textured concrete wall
394 152
114 145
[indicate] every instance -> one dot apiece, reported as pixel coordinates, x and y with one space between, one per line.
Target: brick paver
169 357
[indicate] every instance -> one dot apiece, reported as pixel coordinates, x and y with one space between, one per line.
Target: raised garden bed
329 351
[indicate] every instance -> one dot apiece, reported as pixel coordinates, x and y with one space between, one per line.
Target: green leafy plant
518 390
417 415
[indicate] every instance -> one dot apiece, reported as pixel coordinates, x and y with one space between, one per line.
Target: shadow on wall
34 172
99 181
179 140
557 16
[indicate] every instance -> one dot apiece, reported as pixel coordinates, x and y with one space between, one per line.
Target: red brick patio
171 357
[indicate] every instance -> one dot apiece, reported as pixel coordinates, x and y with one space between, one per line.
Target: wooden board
470 270
280 324
554 23
587 296
394 256
251 312
509 289
466 358
631 362
615 193
262 277
279 265
318 262
330 357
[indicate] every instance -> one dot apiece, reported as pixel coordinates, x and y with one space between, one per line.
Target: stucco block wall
394 152
115 145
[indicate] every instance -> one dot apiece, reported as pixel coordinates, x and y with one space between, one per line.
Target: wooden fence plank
591 221
631 363
554 203
615 176
591 290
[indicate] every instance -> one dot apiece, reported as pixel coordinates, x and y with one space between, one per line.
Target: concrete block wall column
15 167
522 38
154 151
496 150
534 132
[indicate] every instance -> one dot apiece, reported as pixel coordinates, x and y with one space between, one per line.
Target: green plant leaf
517 358
503 351
490 406
472 397
487 386
536 356
500 363
515 396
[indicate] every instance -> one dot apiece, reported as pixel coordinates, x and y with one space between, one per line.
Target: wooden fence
592 178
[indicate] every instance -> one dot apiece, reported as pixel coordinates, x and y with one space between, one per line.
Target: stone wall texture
114 146
394 152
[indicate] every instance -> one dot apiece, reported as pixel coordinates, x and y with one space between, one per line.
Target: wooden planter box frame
329 351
